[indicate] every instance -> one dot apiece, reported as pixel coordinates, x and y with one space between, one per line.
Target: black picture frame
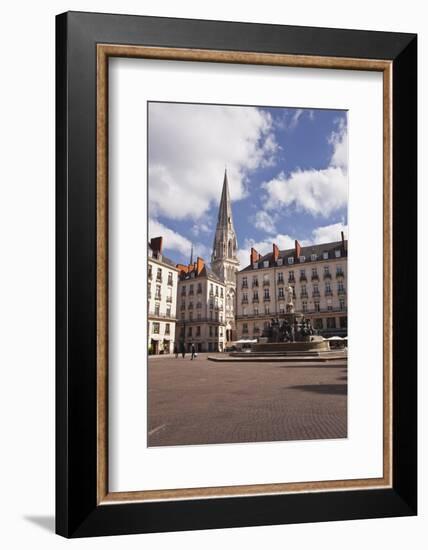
77 511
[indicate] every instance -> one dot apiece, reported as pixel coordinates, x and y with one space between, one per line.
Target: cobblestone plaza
202 402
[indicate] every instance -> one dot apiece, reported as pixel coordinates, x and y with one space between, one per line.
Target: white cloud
265 221
201 227
339 140
263 247
189 146
174 241
329 233
318 192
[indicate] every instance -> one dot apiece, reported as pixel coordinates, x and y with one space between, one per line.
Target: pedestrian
176 351
193 349
183 351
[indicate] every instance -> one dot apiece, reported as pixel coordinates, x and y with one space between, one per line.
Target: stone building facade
162 284
318 276
201 308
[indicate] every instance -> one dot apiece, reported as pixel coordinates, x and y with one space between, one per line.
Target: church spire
225 209
191 254
225 244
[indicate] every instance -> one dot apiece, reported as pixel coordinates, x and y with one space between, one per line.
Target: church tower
224 261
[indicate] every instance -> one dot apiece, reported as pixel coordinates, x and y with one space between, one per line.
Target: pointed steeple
225 209
225 245
191 255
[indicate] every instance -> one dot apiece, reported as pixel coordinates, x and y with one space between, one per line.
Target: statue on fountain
290 303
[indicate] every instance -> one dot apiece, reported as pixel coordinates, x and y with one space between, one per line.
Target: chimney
297 249
182 268
254 256
200 264
343 242
156 245
275 252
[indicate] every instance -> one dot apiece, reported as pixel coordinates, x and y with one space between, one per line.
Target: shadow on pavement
331 389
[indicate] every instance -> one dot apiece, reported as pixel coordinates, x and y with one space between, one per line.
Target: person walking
183 351
193 349
176 351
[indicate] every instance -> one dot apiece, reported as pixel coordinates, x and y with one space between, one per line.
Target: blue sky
287 172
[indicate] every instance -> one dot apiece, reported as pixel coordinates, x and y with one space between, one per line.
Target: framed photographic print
236 303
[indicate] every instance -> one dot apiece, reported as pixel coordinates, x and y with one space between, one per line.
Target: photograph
247 289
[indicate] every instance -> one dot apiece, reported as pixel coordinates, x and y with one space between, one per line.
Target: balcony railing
340 275
266 298
329 293
303 278
266 283
291 280
312 311
186 322
255 300
244 285
162 315
280 281
341 291
315 278
281 297
244 301
327 276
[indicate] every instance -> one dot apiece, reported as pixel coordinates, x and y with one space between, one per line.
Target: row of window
291 277
159 278
212 331
156 328
157 312
214 290
304 307
158 293
302 259
303 292
212 316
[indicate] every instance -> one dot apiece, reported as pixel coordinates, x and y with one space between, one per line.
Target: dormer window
266 263
313 257
325 255
291 260
279 261
302 259
255 265
337 253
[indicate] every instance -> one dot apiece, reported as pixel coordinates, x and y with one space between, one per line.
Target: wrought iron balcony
266 299
327 276
266 283
315 277
340 275
303 278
